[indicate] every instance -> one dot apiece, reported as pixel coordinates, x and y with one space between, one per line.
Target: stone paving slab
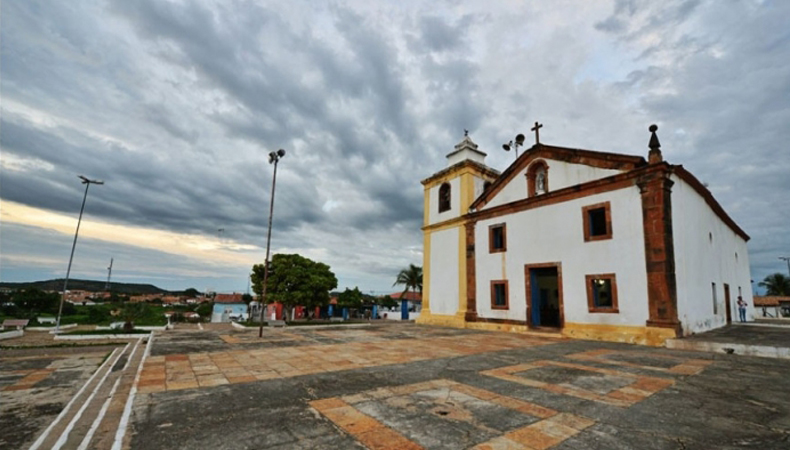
742 339
35 388
425 387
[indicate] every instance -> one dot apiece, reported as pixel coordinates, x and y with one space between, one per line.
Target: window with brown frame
602 293
497 238
499 294
444 197
597 222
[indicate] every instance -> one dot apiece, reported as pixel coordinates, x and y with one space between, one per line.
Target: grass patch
100 332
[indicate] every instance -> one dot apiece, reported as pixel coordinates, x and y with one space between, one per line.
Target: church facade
588 244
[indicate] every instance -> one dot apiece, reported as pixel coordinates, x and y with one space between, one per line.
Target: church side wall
555 233
444 276
705 249
560 175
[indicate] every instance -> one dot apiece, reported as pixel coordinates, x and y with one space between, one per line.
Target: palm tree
776 284
411 278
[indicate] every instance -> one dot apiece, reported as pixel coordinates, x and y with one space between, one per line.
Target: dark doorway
544 296
727 302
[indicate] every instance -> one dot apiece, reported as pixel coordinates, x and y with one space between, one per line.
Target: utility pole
787 260
87 184
109 274
274 158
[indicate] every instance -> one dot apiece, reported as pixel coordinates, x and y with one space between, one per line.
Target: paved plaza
407 386
390 386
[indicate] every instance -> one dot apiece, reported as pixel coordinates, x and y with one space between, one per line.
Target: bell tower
447 196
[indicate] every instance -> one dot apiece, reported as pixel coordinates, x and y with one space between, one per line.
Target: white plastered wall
700 261
555 233
434 216
561 175
443 281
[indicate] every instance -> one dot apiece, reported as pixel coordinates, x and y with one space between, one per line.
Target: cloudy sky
175 104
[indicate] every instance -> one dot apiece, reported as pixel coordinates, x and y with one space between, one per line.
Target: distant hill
87 285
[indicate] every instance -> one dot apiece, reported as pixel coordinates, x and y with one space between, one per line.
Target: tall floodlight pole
274 157
109 274
787 260
87 184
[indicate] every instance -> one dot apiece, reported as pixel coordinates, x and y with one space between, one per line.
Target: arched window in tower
444 197
537 178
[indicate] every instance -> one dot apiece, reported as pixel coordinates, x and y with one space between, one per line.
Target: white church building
588 244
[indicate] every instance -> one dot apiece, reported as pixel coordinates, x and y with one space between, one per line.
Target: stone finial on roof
654 156
466 149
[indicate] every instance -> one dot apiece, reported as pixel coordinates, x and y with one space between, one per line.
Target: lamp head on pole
275 156
85 180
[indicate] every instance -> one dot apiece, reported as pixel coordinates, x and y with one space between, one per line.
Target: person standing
742 309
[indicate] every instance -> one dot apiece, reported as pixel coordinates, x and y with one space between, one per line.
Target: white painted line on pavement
129 360
64 436
102 412
127 410
46 432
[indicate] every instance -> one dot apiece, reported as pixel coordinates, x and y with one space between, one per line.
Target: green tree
776 284
191 292
204 309
246 298
97 314
295 280
387 301
410 278
131 312
350 298
35 300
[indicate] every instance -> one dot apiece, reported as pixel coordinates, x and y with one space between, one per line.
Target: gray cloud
177 105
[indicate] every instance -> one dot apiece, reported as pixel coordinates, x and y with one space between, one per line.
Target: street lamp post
87 184
274 157
787 260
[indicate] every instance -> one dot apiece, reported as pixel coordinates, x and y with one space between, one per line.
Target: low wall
52 328
11 334
396 315
86 337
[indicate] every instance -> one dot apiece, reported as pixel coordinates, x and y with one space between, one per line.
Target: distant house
771 306
228 307
414 299
172 300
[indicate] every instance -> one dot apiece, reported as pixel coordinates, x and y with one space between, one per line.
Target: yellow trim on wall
454 174
441 320
619 333
451 223
461 271
426 272
426 211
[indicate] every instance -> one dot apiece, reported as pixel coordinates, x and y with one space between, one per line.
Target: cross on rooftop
536 129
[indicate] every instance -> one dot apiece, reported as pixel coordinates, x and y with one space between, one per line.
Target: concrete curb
87 337
339 325
764 351
11 334
51 329
307 327
146 328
